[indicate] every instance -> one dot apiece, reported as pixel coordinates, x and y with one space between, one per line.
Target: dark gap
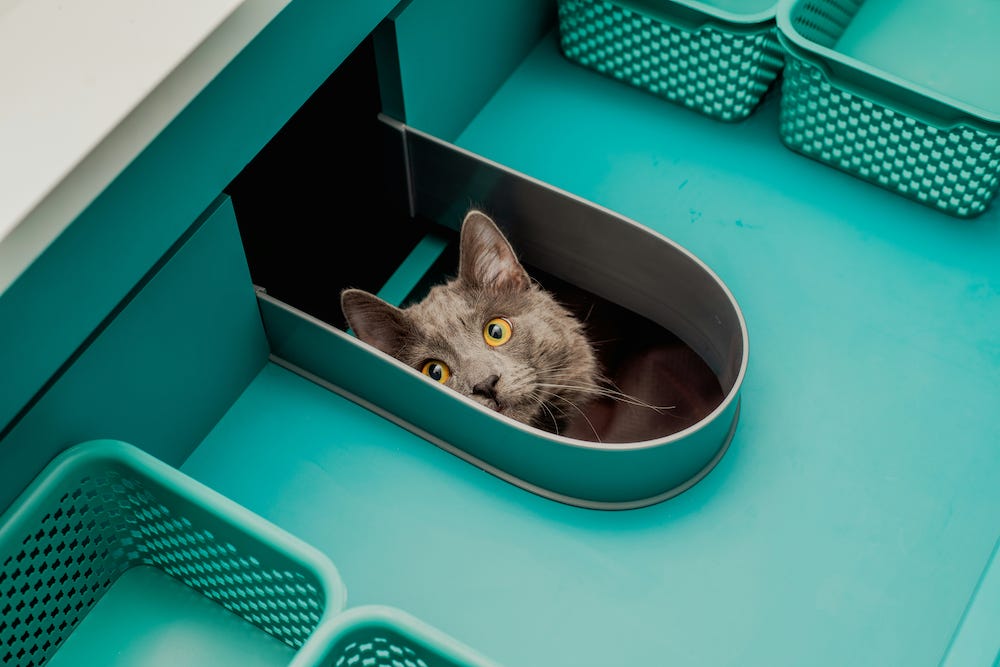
323 205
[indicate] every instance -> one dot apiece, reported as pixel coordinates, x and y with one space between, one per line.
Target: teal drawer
614 261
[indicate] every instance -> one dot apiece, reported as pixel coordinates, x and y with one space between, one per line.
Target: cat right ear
486 258
375 321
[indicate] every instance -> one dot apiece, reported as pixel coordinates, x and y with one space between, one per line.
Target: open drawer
676 333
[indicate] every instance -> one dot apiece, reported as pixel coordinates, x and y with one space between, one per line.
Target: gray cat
491 333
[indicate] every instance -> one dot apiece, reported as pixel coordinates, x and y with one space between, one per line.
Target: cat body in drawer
494 334
491 333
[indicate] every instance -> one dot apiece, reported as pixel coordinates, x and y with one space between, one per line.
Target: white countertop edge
71 194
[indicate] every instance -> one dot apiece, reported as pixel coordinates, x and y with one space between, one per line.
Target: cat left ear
486 258
375 321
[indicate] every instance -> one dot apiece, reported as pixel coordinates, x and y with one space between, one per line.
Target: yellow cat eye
497 331
436 370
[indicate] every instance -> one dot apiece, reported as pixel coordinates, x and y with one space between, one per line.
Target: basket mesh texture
381 651
110 522
824 21
720 74
956 170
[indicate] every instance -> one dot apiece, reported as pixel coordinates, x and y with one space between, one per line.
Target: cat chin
515 412
488 403
519 413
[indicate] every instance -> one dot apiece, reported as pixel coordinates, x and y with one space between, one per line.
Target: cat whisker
600 380
562 413
609 393
616 388
555 423
606 340
582 413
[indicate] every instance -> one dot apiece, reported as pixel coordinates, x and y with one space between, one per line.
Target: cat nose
487 387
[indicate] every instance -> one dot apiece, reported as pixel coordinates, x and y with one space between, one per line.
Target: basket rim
384 617
798 45
699 11
709 9
123 454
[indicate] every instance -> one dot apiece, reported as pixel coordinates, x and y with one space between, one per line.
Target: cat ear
375 321
486 258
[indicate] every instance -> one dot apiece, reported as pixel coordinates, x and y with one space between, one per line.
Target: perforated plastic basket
383 636
902 93
718 57
111 557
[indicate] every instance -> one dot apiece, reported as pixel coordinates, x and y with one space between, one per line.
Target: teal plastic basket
113 558
383 636
903 93
718 58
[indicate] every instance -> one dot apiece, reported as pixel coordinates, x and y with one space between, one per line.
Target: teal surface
410 272
852 518
55 304
452 60
183 627
162 372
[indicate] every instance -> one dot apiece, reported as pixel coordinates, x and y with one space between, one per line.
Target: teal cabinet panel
453 55
163 370
56 303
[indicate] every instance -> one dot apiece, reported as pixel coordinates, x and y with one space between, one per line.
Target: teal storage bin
718 58
383 636
904 94
112 558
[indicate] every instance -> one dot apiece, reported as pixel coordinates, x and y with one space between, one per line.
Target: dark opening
322 206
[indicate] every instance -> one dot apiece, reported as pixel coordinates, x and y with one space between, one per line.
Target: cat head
490 333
